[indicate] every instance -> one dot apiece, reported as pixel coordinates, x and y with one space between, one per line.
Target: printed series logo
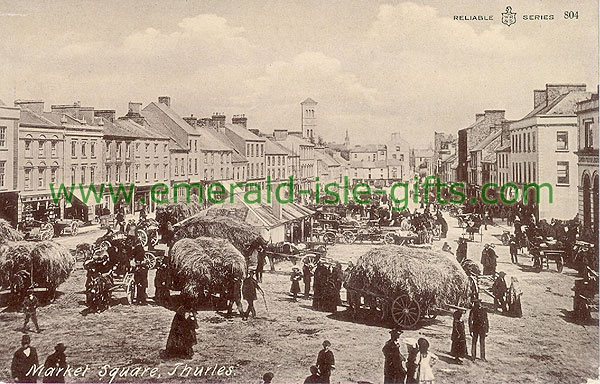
509 17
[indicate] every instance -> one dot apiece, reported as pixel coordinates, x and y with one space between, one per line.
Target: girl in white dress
425 361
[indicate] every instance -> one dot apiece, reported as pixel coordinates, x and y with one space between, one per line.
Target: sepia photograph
286 191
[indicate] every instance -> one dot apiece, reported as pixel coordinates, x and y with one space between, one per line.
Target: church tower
309 121
347 140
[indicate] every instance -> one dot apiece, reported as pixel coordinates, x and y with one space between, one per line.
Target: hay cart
552 249
404 311
145 230
118 240
36 230
67 227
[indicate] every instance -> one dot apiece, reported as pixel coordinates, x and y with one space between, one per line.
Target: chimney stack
36 106
539 98
280 134
134 108
218 119
108 114
240 120
191 120
166 100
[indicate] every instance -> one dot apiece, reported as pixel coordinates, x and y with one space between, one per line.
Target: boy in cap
325 362
23 359
30 305
393 371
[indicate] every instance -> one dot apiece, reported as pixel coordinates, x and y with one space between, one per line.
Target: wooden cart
403 311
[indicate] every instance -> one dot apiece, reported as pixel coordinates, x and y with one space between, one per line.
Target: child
459 339
295 279
425 361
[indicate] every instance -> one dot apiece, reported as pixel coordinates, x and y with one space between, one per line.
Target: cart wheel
74 228
150 260
349 237
389 238
142 237
559 264
309 259
405 312
129 289
329 238
154 238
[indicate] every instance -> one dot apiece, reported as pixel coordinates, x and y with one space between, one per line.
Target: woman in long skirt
182 337
295 279
514 298
459 339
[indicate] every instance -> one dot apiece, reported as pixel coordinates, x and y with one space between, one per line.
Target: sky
374 67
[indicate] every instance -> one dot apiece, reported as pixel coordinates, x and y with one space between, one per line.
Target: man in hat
23 359
295 279
499 290
140 275
306 277
325 362
461 250
249 288
58 363
478 327
30 305
393 371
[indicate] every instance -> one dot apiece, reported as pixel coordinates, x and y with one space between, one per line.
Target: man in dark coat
314 377
23 360
393 371
443 224
461 250
512 246
58 362
325 362
260 265
306 276
478 327
249 288
499 290
162 282
140 276
321 274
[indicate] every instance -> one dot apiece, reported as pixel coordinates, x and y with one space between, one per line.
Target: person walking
182 336
58 362
325 362
234 295
23 360
393 371
295 279
306 277
459 338
512 246
425 361
478 328
249 288
260 265
30 306
461 250
514 298
499 290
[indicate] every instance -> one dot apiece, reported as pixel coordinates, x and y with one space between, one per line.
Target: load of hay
175 212
205 265
49 263
426 276
8 233
243 236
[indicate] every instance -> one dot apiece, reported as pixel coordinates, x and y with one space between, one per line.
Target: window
127 173
108 149
528 142
28 148
137 149
212 158
588 135
269 161
176 168
147 169
562 141
2 172
83 174
93 149
166 148
119 150
562 172
534 179
72 175
118 173
165 171
221 174
189 165
156 171
108 173
222 158
53 175
27 178
92 175
251 150
3 138
53 146
206 174
41 152
196 145
532 141
147 150
212 174
196 166
155 150
137 172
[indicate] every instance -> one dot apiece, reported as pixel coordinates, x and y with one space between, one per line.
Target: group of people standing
328 281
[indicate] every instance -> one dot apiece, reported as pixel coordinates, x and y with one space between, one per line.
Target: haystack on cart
408 285
117 242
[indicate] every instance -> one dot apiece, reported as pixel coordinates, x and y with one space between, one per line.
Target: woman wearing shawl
514 298
182 337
